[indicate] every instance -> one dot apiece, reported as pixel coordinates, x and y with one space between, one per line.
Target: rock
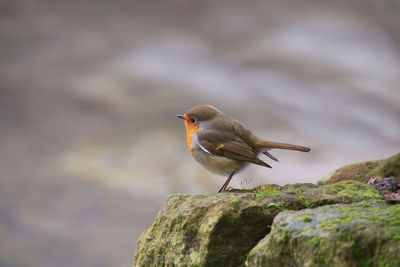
360 234
220 229
365 170
383 185
341 222
388 187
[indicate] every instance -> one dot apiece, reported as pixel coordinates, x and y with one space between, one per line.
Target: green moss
395 223
353 190
366 262
348 219
284 235
235 202
337 221
266 189
396 235
329 223
338 235
342 210
388 167
219 230
361 255
324 259
381 262
366 204
345 236
395 209
317 241
244 257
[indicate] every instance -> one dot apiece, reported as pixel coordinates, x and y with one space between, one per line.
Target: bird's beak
181 116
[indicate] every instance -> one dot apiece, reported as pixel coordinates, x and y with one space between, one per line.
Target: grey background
90 147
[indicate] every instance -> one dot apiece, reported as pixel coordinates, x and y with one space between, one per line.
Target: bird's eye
192 119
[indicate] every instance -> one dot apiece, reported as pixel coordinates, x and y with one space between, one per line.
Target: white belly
216 164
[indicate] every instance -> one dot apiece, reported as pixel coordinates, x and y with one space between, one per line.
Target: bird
223 145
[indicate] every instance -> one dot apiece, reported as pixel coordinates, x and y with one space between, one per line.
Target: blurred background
89 142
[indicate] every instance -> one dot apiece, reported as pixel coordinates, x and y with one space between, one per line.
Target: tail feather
265 144
270 156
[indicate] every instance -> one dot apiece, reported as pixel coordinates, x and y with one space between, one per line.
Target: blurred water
89 143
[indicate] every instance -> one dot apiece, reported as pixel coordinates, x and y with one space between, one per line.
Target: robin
223 145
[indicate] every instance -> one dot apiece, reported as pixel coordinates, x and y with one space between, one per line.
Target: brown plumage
223 145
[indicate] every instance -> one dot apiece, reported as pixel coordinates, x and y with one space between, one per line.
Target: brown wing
229 145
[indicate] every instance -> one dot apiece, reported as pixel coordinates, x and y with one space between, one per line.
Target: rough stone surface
365 170
340 222
388 187
360 234
220 229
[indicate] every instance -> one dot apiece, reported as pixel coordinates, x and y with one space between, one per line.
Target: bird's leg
225 185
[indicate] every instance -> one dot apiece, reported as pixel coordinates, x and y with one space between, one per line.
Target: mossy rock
365 170
359 234
220 229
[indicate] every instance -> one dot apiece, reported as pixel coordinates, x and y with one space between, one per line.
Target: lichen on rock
342 221
220 229
359 234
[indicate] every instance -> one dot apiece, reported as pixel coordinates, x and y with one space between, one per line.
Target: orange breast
191 130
